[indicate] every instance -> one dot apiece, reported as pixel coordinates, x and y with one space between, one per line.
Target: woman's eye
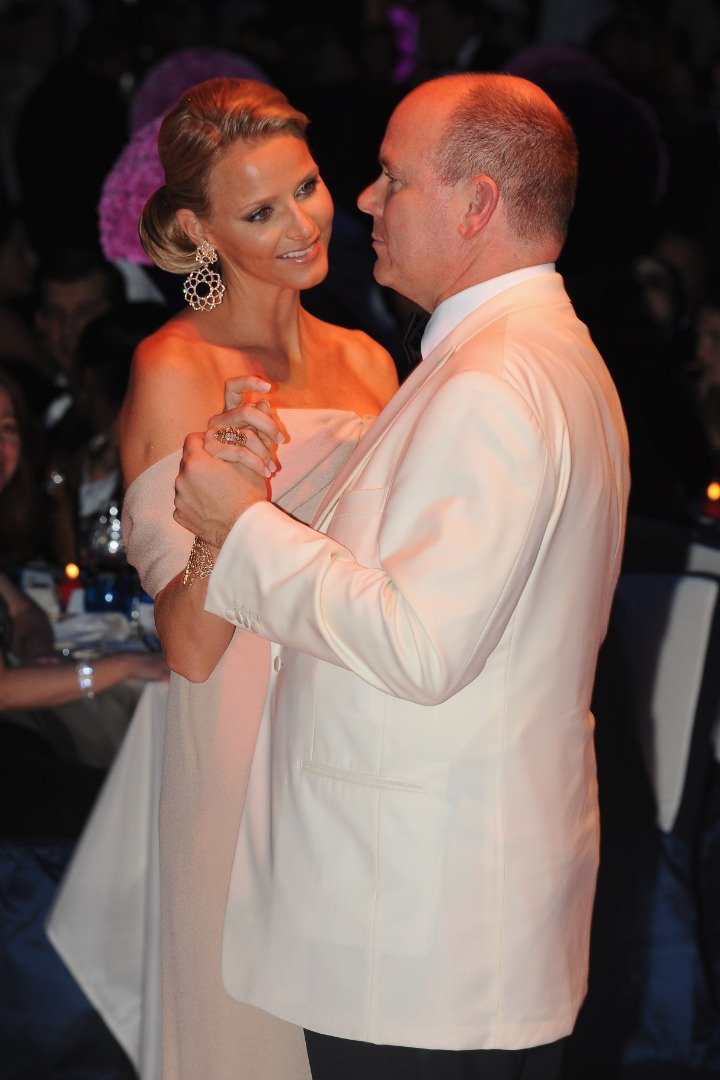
260 215
307 188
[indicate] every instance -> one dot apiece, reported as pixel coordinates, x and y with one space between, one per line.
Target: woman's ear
481 199
191 224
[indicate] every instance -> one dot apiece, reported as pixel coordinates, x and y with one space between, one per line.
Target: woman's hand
246 433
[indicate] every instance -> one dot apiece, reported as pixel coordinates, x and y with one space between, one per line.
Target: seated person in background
47 781
71 288
706 366
24 514
17 263
85 530
634 321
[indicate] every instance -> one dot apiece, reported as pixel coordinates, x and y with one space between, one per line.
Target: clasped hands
218 481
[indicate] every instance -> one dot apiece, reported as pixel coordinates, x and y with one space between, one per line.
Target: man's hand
211 494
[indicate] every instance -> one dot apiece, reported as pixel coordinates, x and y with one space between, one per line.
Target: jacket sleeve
423 575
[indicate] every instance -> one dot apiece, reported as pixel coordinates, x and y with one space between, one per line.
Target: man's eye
260 215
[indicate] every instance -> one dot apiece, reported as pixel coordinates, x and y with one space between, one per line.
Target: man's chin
380 273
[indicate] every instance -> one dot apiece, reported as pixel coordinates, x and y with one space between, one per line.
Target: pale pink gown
209 740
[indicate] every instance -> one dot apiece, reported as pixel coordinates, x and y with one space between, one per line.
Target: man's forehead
420 119
92 285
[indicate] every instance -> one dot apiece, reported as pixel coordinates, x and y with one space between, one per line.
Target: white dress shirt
452 311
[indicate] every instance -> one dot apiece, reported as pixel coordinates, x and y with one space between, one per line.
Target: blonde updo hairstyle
207 120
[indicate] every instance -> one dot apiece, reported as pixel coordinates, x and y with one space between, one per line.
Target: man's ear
481 199
192 225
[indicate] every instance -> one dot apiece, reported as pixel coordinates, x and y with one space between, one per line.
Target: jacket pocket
350 776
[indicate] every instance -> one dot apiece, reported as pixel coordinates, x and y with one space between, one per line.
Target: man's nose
367 199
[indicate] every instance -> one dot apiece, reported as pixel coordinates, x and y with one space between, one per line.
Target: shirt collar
452 311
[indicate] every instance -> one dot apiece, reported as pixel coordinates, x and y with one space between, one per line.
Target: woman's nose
301 224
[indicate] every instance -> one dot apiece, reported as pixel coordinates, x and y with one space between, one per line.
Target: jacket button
277 663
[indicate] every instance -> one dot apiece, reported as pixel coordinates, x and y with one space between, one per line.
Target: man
419 870
73 288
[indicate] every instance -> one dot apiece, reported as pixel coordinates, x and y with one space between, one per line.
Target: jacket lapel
544 290
379 428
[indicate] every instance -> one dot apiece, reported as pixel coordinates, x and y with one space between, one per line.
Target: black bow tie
412 336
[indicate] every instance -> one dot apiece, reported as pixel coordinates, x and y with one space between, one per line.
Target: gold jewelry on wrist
200 564
85 679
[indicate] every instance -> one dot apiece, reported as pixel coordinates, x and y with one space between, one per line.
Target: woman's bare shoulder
175 386
163 349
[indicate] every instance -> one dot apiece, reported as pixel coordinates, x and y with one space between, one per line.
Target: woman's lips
302 254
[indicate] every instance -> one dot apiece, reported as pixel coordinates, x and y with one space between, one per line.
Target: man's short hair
521 140
107 343
69 264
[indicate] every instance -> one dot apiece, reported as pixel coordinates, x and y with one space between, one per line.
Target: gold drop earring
203 288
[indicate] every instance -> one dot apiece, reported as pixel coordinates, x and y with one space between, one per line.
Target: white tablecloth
105 922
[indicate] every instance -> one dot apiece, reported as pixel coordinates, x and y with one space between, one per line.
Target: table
105 922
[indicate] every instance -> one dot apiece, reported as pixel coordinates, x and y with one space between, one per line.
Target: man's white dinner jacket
418 853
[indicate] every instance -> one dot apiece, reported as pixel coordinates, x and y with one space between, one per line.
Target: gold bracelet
200 563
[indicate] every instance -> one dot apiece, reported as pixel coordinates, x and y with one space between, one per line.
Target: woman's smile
305 255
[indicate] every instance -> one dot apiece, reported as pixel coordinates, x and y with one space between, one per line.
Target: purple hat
165 82
137 172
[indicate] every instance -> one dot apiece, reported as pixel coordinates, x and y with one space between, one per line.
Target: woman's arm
43 686
169 396
180 607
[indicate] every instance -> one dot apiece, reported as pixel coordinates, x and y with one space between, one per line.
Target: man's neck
455 308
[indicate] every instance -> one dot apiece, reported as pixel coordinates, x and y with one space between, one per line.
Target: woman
44 788
240 188
22 516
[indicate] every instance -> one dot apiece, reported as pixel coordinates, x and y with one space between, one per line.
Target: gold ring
234 435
